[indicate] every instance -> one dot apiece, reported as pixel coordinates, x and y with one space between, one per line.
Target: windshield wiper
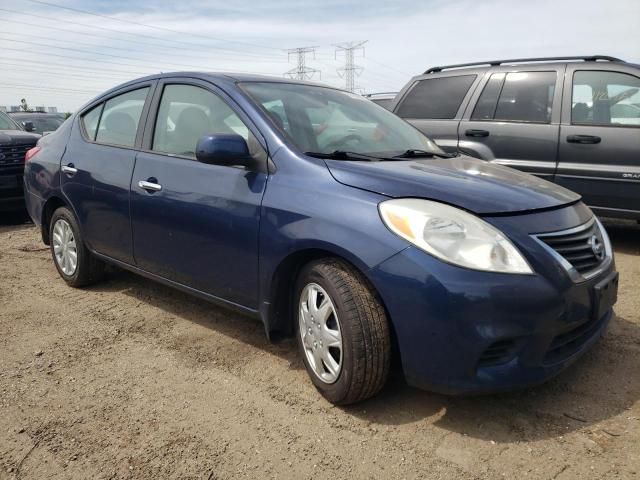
344 155
417 153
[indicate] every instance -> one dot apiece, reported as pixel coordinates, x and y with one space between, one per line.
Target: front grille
497 353
12 155
566 344
583 247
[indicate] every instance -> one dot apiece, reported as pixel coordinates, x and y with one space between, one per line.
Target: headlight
452 235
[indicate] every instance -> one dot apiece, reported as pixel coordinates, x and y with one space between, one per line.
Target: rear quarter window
437 98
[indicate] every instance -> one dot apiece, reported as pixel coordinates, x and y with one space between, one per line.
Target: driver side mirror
28 126
223 149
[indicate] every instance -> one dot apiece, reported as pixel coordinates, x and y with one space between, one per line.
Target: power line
301 71
64 66
29 34
350 69
171 42
132 22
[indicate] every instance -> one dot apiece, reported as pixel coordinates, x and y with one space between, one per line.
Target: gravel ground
129 379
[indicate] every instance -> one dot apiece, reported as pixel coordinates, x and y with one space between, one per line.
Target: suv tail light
31 152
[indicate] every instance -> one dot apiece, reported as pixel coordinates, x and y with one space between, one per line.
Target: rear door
97 166
513 118
194 223
434 105
600 137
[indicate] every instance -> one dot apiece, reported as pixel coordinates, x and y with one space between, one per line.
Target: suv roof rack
590 58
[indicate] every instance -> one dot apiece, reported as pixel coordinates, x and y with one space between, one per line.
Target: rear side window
438 98
517 97
120 118
90 121
605 98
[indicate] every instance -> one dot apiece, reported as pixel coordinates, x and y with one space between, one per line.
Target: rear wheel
75 264
342 332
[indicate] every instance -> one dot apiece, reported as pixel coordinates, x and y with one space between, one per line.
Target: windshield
6 123
324 120
44 124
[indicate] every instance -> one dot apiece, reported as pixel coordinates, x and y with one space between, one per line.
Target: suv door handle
69 169
584 139
150 185
476 133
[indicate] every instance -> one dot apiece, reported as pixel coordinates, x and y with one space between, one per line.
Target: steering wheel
342 141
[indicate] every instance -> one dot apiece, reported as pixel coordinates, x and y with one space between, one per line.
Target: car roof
38 114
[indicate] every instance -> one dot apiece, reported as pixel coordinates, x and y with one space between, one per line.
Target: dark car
328 217
574 121
38 122
14 143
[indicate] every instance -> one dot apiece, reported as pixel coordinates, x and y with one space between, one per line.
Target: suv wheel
72 259
342 332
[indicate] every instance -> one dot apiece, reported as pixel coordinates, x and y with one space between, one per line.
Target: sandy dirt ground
130 379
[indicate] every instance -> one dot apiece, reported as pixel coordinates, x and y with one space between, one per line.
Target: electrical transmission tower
301 71
350 70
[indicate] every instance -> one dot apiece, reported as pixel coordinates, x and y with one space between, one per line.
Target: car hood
475 185
17 136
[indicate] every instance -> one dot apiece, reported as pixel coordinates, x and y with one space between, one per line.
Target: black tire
89 269
366 342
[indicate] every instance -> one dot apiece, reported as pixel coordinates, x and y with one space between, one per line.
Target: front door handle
150 185
584 139
476 133
70 170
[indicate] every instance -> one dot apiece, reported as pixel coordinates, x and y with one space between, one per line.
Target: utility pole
301 71
350 70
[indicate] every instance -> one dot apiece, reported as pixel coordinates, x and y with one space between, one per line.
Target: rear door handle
476 133
584 139
150 185
69 169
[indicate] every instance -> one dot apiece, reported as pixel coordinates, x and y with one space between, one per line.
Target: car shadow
601 385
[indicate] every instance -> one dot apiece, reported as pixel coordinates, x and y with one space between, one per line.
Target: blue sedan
331 219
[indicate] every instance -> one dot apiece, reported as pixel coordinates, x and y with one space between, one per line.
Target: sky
64 52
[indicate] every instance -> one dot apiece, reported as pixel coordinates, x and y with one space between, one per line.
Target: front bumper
461 331
11 192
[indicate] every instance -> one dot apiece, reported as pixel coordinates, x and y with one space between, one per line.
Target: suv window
187 113
438 98
120 118
605 98
517 97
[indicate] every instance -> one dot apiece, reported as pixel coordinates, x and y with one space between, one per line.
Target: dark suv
14 143
573 120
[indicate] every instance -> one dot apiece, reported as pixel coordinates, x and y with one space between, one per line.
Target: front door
514 120
193 223
600 138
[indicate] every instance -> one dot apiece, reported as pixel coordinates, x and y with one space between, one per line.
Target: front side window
517 97
120 118
187 113
437 98
324 120
605 98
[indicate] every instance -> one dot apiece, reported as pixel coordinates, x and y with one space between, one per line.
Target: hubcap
320 333
64 247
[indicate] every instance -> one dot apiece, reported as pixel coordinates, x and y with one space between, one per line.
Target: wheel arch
279 317
51 205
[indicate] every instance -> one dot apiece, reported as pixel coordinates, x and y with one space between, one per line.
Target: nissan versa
330 218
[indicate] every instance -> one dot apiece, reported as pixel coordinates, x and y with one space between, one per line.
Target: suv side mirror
28 126
223 149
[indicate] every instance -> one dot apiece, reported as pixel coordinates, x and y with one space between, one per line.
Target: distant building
15 108
41 109
52 109
3 108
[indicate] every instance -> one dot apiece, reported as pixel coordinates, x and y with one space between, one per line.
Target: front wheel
342 332
75 264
